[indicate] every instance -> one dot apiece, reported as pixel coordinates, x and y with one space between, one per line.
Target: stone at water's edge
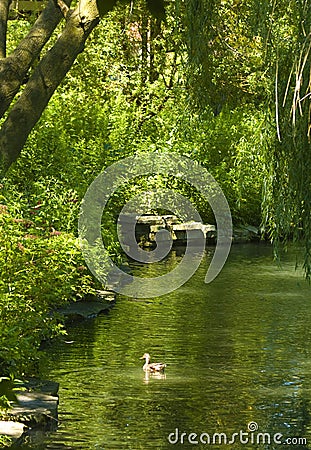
89 308
44 386
245 233
192 230
148 225
83 310
36 409
11 429
40 408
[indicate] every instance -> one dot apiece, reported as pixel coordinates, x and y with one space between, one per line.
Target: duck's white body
153 367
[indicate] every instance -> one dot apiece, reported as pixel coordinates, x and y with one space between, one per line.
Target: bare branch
63 7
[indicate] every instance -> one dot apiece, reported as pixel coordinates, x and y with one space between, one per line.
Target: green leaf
104 6
156 7
7 389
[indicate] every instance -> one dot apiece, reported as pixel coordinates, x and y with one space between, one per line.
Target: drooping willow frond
260 53
288 202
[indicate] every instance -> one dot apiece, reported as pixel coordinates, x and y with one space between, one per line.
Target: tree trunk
144 49
46 78
14 68
155 31
4 13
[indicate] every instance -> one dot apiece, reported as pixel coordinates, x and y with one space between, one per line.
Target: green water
237 351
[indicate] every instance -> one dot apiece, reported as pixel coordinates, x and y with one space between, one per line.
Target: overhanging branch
14 68
45 79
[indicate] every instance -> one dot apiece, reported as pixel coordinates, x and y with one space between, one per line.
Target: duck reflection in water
154 376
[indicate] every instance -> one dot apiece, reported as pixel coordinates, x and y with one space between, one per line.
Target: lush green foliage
107 109
113 110
226 54
198 85
40 271
259 53
287 204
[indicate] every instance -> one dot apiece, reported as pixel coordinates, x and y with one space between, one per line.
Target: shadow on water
237 351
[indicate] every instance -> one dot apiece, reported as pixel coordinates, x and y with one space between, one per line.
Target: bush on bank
41 269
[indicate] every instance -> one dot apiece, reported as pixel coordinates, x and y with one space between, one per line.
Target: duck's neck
147 361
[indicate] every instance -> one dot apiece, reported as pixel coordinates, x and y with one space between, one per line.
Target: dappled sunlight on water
237 351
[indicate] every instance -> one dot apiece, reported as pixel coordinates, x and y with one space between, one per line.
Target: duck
153 367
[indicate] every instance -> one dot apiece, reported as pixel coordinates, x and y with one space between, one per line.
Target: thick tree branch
4 13
46 78
14 68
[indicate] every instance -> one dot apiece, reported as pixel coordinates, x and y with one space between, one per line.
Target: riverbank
44 281
36 409
36 401
42 270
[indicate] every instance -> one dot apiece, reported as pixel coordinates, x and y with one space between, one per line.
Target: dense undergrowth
34 259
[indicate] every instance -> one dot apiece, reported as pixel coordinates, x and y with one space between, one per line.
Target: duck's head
145 356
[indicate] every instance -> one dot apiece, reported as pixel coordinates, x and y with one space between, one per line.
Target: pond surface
238 355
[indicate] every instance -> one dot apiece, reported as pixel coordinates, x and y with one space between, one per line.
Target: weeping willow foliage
287 194
246 51
224 54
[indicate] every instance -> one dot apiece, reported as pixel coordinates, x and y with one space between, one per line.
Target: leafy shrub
41 270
